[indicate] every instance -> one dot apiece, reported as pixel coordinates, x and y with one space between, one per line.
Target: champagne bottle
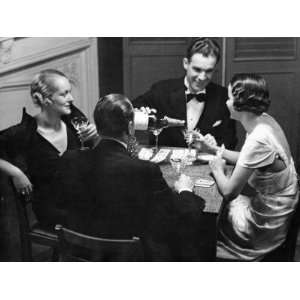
144 121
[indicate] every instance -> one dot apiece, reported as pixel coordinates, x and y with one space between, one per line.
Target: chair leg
26 250
55 254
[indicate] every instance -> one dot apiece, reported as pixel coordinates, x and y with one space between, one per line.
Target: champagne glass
156 132
80 123
189 138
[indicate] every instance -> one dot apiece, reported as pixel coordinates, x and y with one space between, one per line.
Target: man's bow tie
199 97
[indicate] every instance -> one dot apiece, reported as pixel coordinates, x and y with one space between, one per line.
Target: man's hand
184 183
89 133
205 143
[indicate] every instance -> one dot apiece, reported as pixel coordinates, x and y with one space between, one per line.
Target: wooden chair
31 233
75 246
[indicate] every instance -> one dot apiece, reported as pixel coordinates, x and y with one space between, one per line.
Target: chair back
30 231
75 246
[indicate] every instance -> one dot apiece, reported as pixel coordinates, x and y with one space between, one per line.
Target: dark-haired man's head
200 62
114 116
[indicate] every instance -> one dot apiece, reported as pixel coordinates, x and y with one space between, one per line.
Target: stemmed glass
189 138
80 123
156 132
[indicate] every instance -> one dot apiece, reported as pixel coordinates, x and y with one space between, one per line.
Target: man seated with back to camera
193 98
108 193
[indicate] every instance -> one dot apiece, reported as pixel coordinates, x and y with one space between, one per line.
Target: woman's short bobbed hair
250 93
112 115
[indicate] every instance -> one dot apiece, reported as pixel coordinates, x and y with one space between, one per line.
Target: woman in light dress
251 226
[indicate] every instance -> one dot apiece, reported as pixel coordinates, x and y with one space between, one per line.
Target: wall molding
75 57
6 45
47 54
14 85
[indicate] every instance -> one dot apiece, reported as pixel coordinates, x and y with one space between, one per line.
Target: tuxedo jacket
109 194
168 97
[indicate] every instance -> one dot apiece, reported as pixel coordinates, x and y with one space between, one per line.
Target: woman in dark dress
31 150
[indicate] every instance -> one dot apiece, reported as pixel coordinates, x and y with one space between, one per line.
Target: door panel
148 60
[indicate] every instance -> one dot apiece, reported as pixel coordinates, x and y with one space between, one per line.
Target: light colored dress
250 227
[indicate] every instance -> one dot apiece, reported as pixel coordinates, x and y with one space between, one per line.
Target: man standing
193 98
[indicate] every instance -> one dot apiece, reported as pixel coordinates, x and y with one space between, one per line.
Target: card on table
145 154
160 156
204 182
181 153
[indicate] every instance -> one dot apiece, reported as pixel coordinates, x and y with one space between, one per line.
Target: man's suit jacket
109 194
168 97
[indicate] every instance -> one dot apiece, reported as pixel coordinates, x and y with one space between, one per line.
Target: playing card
203 182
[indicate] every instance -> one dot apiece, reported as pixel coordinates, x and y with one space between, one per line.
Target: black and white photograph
124 151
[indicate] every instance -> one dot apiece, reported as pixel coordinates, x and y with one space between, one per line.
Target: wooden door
278 60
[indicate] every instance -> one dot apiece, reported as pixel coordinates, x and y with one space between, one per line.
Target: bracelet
185 190
220 150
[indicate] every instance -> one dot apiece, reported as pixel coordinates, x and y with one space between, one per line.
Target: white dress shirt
194 108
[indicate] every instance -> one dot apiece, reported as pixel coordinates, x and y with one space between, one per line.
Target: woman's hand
147 110
217 164
205 143
21 183
89 133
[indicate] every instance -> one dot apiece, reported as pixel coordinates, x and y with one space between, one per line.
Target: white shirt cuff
185 190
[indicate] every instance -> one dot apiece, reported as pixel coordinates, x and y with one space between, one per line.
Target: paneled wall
21 58
147 60
150 59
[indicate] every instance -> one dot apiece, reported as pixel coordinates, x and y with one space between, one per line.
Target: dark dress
24 147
